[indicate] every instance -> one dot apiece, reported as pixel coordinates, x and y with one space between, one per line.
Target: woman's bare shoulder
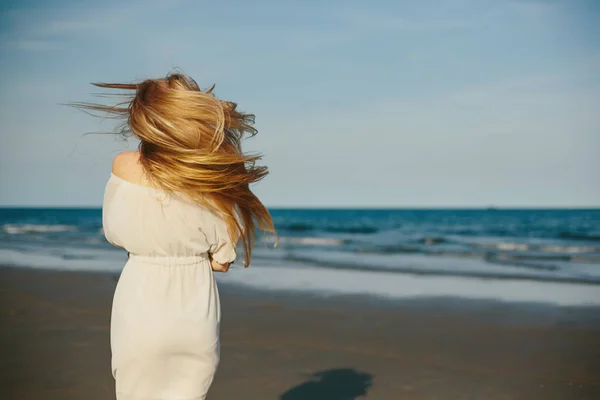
126 165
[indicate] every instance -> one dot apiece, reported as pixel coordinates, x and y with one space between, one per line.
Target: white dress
164 332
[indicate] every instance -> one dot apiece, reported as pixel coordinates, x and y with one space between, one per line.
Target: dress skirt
164 332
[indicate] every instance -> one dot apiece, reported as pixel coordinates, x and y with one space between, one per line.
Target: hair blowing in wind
190 143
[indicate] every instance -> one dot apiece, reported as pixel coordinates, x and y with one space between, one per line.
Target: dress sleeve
110 215
222 249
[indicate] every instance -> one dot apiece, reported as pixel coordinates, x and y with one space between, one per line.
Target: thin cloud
31 45
40 29
76 26
451 15
371 21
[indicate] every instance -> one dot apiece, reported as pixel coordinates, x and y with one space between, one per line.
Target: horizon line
342 207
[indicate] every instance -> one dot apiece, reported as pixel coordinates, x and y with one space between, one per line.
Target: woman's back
148 221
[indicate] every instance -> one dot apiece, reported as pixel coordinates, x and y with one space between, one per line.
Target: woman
178 205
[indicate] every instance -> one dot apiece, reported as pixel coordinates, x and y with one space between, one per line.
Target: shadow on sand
333 384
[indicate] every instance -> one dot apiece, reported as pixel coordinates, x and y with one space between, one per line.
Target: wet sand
54 338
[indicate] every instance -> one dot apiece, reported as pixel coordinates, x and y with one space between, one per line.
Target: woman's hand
219 267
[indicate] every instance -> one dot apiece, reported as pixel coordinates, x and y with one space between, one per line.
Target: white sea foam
312 241
16 229
328 281
550 248
109 261
511 246
569 249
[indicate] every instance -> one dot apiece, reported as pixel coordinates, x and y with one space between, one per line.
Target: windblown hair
191 144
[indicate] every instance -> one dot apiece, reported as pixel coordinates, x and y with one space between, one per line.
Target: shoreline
55 327
390 286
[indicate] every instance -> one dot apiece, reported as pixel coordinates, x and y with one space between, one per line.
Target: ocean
487 253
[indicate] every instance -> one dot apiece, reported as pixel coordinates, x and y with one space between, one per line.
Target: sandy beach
55 345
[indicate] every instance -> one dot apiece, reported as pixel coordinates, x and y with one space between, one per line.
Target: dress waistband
170 260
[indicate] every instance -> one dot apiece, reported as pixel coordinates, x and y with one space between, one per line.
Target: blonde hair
191 144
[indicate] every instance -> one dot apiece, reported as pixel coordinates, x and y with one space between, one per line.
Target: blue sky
382 103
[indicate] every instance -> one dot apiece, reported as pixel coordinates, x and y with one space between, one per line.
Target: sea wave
437 232
504 270
432 240
580 236
351 229
307 227
546 248
515 252
312 241
19 229
296 227
570 249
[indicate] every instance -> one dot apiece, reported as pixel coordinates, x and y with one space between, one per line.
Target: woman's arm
217 267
